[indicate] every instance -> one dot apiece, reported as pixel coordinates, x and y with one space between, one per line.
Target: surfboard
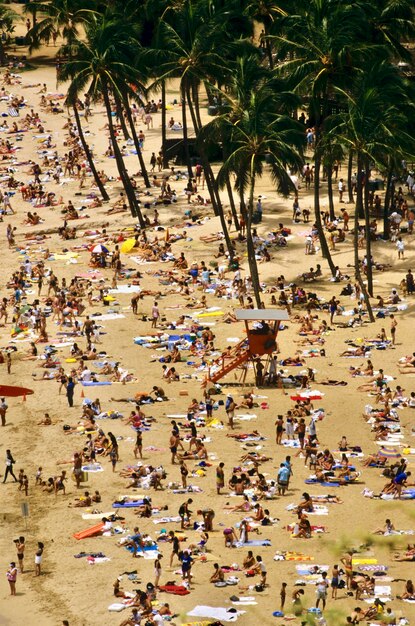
8 391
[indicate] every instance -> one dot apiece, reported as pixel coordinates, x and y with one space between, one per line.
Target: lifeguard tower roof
257 315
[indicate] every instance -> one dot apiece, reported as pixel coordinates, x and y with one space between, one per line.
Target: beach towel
96 515
150 548
306 571
218 613
167 520
89 383
116 607
293 556
177 590
364 561
253 542
314 481
127 505
108 316
318 509
126 289
95 467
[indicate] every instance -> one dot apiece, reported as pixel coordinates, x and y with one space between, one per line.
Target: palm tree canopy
104 59
63 17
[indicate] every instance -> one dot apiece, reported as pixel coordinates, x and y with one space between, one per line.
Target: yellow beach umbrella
127 245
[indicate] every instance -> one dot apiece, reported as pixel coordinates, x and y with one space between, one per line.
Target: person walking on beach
9 466
11 577
400 246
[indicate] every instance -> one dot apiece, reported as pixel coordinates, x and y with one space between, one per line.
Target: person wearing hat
230 407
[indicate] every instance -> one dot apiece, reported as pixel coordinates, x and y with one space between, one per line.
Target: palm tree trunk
232 204
196 101
120 115
163 124
192 110
388 194
253 267
369 269
132 200
242 199
136 142
88 155
330 191
216 203
268 47
358 210
322 237
349 177
184 124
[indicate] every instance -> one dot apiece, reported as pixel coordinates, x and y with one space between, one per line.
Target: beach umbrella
127 245
99 248
389 453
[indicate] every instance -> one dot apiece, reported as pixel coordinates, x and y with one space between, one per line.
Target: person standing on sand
394 324
157 570
38 558
20 547
11 577
230 407
3 411
220 478
70 387
348 568
155 315
283 595
9 466
77 468
321 590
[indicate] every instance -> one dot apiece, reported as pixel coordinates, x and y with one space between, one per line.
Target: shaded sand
72 589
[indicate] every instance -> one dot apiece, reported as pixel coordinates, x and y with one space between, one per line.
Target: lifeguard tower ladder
258 342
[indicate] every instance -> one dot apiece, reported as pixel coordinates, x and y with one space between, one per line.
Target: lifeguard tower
260 340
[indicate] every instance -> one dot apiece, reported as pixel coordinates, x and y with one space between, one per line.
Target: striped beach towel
13 112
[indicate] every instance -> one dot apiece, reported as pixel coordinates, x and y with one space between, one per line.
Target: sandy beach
80 591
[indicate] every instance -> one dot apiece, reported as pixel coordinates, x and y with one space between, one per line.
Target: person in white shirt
85 375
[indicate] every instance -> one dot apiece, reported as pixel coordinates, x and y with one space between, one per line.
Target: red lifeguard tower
260 340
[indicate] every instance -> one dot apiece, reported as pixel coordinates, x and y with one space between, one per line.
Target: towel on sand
218 613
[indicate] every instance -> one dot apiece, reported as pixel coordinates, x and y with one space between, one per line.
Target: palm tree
102 64
374 124
258 133
72 101
64 17
267 13
8 18
318 44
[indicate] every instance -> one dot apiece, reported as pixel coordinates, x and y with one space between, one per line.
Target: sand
70 588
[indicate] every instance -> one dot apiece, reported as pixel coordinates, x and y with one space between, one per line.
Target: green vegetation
338 61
